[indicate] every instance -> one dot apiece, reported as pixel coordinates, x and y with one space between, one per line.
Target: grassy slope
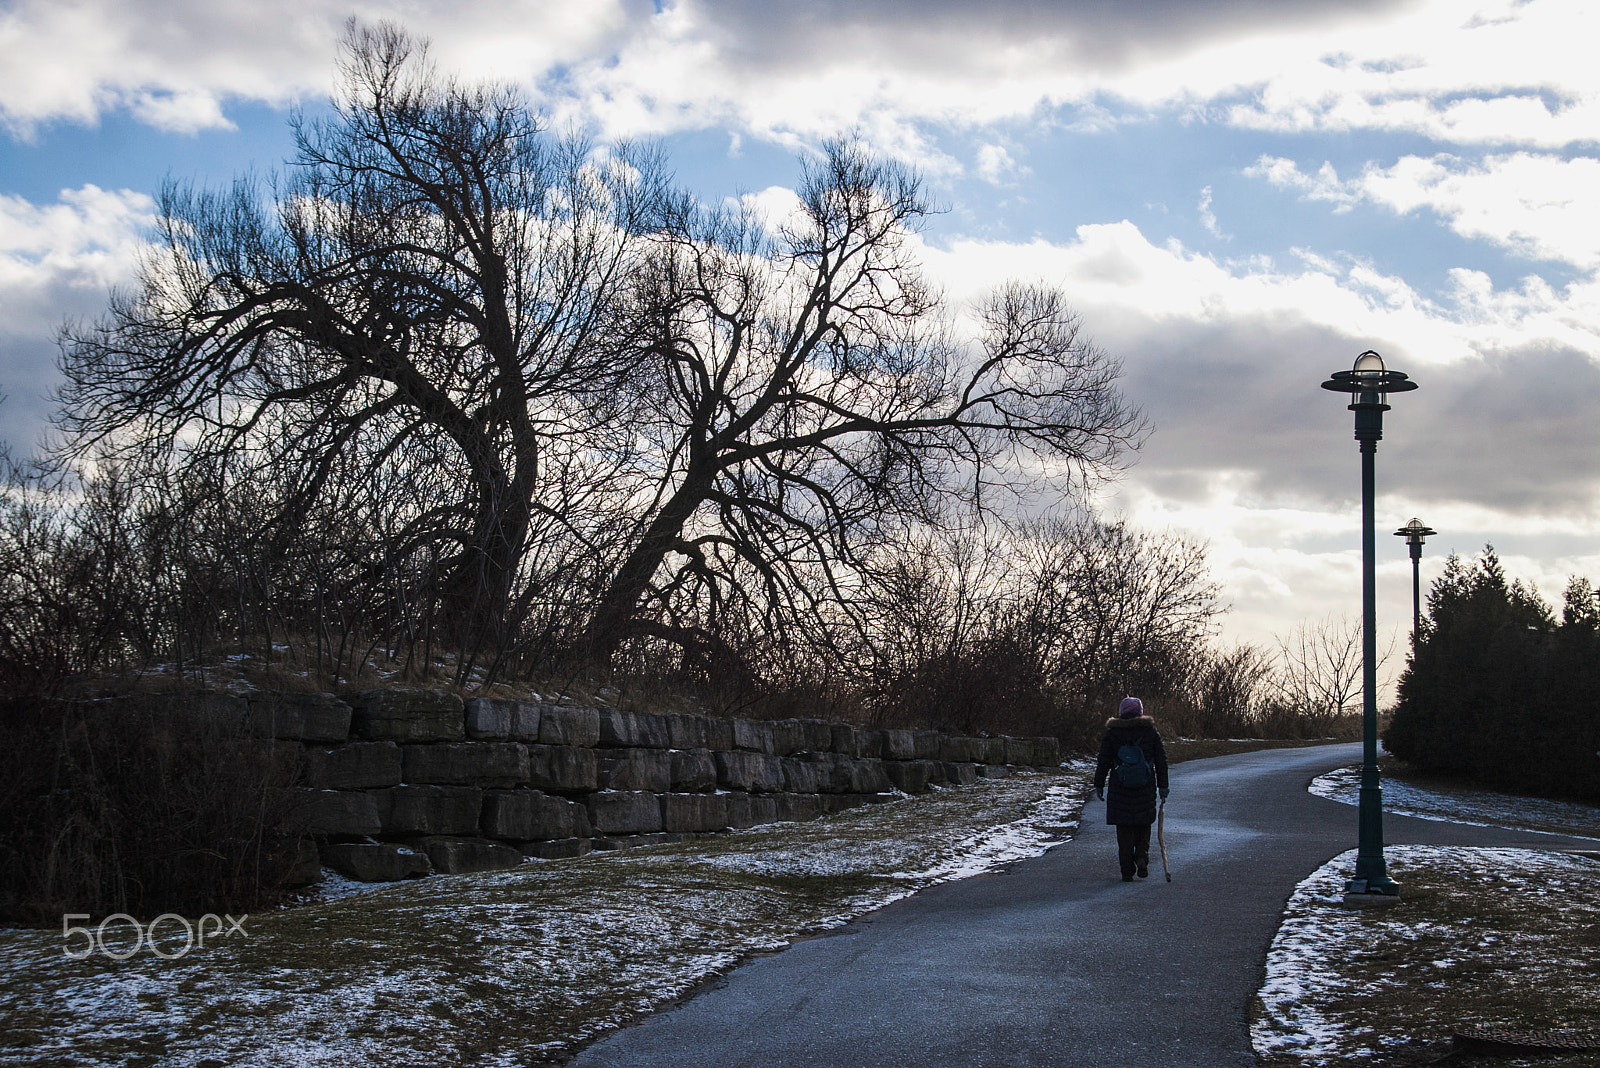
508 967
1501 938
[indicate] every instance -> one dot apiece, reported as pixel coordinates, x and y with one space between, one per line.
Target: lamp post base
1362 893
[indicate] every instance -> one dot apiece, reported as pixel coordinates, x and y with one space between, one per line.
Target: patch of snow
1314 974
1476 807
335 887
509 966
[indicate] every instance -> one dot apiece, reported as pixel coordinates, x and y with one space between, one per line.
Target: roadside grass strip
1409 794
1501 938
514 967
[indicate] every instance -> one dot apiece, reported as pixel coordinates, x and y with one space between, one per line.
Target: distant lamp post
1369 384
1415 534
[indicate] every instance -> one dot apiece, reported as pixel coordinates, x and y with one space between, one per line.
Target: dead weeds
1500 938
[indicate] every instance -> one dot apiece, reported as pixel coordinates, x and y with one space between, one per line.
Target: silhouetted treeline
458 383
456 399
1499 690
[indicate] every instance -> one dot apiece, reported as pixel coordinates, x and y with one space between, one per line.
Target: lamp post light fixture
1369 384
1415 534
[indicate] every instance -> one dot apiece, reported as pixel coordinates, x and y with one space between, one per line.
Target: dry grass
516 967
1501 938
1533 810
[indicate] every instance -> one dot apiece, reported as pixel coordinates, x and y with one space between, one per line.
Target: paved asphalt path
1056 961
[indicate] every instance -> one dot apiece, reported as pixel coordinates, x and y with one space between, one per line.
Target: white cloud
1227 359
1537 206
175 65
996 166
1324 185
77 58
57 262
1115 269
1208 218
85 243
776 206
1499 72
1502 72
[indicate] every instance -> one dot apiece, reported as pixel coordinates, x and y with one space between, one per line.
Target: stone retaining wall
399 783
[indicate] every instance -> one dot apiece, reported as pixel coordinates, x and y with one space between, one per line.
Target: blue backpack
1132 767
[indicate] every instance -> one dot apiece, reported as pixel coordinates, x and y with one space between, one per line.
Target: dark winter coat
1131 804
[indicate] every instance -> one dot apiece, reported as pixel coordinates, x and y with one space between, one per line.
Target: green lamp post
1415 533
1369 384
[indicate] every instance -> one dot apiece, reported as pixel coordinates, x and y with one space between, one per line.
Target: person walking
1134 760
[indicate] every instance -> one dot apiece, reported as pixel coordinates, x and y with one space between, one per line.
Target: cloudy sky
1238 196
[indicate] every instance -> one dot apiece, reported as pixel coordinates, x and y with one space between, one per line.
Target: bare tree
1226 687
809 398
1118 610
529 386
1319 667
942 646
427 301
936 592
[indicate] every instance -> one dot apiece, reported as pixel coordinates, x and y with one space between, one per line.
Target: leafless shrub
1115 610
1223 695
1317 684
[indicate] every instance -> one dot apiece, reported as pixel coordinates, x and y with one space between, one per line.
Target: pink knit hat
1130 707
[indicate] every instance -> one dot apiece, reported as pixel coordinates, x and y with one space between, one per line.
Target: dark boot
1141 850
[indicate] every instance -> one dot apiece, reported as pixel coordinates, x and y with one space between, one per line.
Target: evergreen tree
1574 693
1477 698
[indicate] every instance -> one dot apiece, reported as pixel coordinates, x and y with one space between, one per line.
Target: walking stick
1161 838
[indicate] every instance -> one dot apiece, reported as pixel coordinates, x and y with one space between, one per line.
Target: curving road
1057 961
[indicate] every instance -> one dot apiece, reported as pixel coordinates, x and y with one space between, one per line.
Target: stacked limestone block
399 783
